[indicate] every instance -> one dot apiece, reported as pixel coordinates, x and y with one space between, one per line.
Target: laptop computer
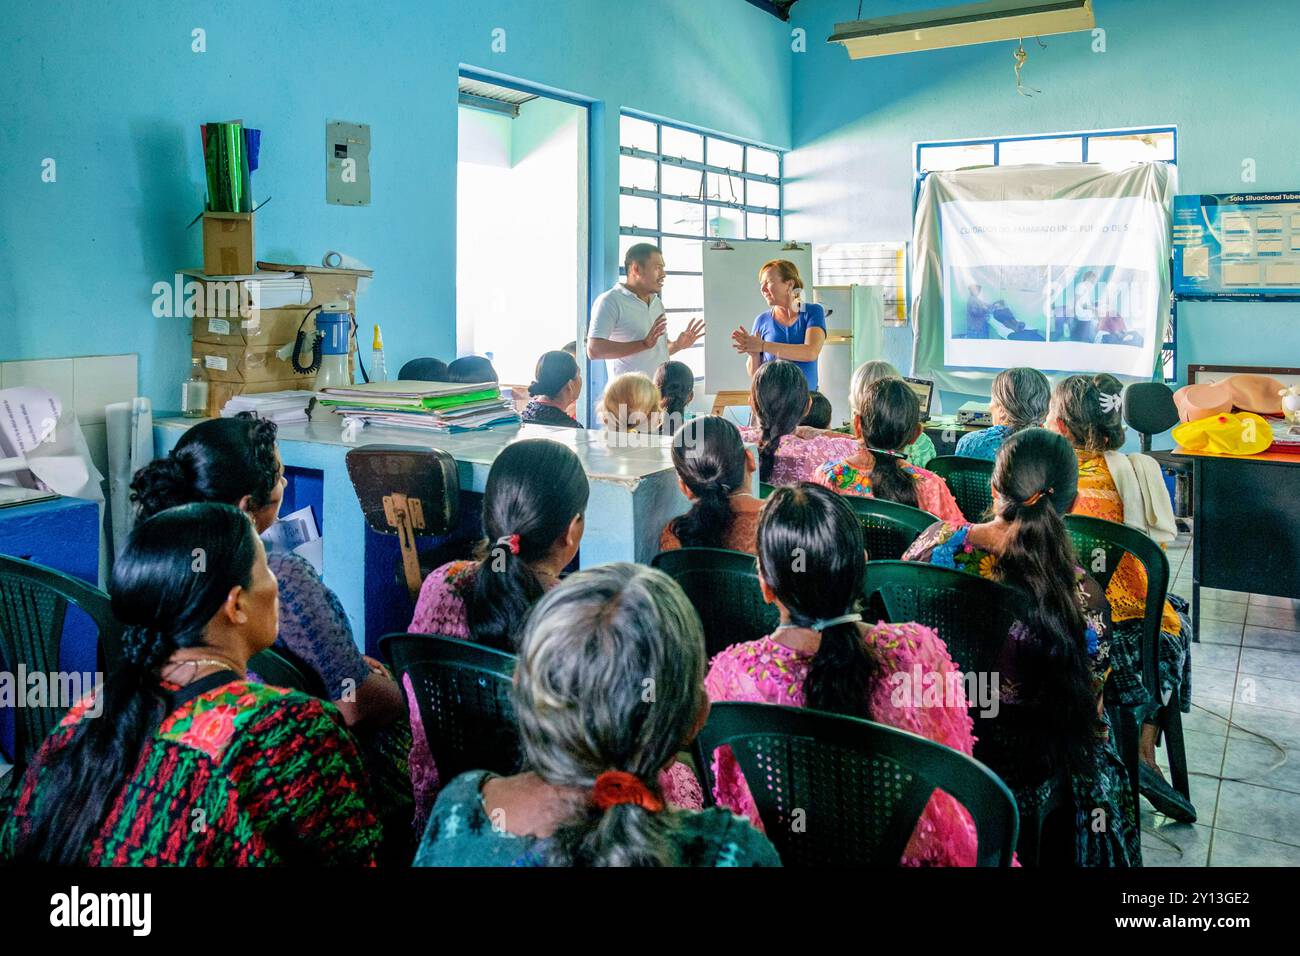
924 390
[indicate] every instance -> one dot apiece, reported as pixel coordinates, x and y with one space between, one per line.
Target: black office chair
1149 409
424 370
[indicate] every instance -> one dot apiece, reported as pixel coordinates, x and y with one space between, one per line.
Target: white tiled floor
1246 789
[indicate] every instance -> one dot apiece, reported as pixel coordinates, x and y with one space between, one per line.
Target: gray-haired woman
1019 400
609 687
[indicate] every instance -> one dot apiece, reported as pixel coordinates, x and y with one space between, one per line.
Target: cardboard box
240 363
266 327
228 247
232 298
221 392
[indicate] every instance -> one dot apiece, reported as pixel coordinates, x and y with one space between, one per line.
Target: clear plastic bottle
194 392
378 371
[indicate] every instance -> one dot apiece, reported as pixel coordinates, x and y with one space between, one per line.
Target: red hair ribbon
614 787
511 541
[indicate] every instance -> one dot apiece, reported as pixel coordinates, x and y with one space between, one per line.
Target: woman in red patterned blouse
177 759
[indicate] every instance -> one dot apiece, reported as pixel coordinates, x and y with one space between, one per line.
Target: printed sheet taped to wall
881 264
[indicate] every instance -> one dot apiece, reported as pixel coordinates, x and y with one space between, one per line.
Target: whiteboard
731 299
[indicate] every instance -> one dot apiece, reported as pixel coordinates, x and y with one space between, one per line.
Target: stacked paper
283 408
435 406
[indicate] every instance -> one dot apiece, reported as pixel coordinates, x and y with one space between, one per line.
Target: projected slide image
1096 304
999 302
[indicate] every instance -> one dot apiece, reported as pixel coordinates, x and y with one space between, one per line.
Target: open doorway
521 226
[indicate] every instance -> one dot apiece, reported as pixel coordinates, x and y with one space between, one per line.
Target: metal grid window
677 187
1157 143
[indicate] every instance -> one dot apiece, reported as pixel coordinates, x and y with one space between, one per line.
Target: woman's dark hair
1089 409
554 371
819 415
890 412
676 384
810 553
470 370
779 397
424 370
709 456
1036 477
1024 394
221 460
164 604
535 489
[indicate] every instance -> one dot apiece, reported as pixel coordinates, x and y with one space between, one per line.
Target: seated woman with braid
823 656
235 461
1058 653
715 472
1086 410
779 399
886 418
533 516
178 759
595 742
557 386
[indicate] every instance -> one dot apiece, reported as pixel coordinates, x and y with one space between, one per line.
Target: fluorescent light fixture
961 26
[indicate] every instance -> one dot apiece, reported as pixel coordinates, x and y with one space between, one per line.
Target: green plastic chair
765 490
970 480
1100 545
34 604
973 617
463 693
723 587
888 528
971 614
841 791
282 668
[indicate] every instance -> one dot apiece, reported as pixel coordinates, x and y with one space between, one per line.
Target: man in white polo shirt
628 327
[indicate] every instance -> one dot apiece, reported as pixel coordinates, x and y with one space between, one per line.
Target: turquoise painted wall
1218 69
113 93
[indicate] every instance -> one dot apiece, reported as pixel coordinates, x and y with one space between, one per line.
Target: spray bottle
378 370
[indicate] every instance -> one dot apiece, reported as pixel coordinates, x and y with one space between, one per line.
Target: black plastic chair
970 480
888 528
34 604
1100 545
1149 410
840 791
723 587
463 693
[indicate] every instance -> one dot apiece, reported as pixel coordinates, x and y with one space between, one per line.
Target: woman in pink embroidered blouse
887 418
779 398
822 656
533 517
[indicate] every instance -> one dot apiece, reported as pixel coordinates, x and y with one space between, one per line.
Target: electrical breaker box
347 163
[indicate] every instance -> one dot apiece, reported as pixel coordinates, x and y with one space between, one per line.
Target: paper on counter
36 428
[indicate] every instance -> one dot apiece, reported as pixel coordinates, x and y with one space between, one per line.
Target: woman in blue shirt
790 329
1019 400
